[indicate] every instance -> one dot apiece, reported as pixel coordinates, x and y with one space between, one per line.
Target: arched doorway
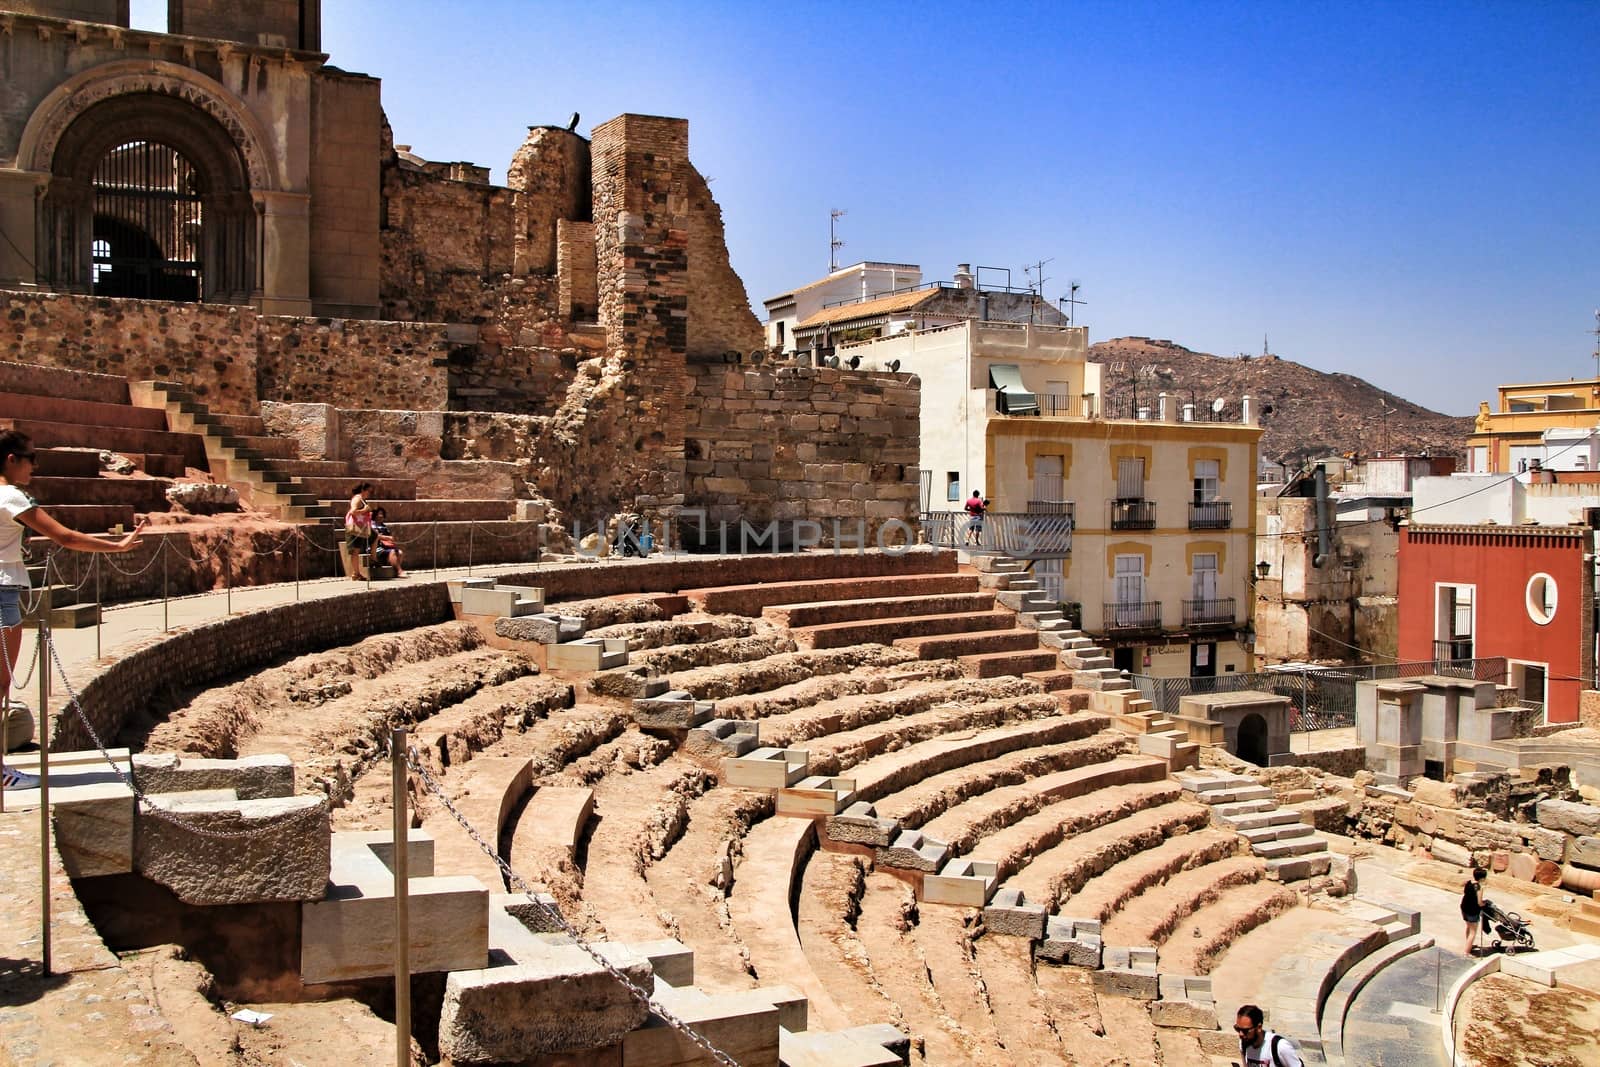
1252 744
149 197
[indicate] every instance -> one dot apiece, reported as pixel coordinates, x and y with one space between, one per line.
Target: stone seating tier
753 599
903 629
832 612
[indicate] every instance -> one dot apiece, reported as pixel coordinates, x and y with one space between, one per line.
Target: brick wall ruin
232 356
803 443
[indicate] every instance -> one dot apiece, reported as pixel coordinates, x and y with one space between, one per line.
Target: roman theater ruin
837 798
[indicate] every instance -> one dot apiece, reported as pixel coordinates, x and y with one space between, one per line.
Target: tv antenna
1071 301
1596 332
1038 286
834 244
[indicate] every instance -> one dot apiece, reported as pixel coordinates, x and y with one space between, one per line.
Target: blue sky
1403 191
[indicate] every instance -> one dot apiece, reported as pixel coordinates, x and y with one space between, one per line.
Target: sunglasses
1244 1031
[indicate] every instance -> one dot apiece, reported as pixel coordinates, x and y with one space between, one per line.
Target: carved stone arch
127 104
87 89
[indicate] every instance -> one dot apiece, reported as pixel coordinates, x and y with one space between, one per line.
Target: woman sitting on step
386 552
18 511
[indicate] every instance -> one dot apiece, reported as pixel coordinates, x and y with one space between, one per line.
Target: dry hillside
1313 412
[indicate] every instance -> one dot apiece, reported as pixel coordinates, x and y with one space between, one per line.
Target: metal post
299 532
43 728
227 576
94 561
472 529
402 917
1437 956
436 550
164 624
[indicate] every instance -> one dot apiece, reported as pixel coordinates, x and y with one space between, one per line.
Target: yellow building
1143 527
1554 423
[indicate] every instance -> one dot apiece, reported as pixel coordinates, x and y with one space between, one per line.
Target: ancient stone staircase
239 460
1292 849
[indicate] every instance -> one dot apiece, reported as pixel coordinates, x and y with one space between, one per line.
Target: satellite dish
757 355
1218 404
894 366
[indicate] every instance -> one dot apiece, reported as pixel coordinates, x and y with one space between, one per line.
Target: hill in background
1313 413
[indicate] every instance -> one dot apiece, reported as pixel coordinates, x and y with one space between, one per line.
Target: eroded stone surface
282 852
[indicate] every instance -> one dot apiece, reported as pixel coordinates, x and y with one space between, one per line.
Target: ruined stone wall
720 319
579 293
352 361
802 443
550 174
233 357
640 167
445 245
211 347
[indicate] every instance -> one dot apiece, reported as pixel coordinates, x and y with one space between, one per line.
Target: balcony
1133 618
1204 613
1211 515
1456 648
1031 534
1133 514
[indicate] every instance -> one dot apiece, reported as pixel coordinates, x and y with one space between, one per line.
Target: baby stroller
1507 927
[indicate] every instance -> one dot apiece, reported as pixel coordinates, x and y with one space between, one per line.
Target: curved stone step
892 771
1063 869
1012 843
1162 888
837 752
933 796
753 599
900 629
1193 946
966 644
827 613
867 699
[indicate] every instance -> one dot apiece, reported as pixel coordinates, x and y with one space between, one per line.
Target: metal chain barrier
517 882
150 805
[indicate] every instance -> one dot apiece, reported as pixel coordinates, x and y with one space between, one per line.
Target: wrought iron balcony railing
1218 612
1133 514
1211 515
1456 648
1131 617
1021 534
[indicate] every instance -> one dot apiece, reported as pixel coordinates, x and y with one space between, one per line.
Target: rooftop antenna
1072 301
1596 332
834 244
1038 289
1264 350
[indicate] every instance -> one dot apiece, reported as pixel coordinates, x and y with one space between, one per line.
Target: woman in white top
17 510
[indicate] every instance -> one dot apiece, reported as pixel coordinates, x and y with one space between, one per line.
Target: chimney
1247 410
963 276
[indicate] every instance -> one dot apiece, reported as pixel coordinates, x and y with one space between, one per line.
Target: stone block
671 712
250 777
816 796
963 882
766 768
1439 794
1188 1014
546 628
554 998
350 934
912 851
1585 852
94 828
1450 852
1546 844
283 853
1120 982
859 824
1009 913
1570 817
1076 944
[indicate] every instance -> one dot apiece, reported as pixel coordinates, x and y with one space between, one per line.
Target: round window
1541 598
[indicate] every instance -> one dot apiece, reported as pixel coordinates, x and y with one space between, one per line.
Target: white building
857 282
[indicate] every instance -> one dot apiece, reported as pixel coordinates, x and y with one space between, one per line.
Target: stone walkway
1392 1021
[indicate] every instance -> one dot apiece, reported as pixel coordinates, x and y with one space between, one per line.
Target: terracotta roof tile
883 305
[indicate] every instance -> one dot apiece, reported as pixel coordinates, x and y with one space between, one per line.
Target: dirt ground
1516 1023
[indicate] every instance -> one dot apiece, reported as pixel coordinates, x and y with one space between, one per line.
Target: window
102 258
1480 459
1525 456
1051 579
780 333
1454 622
1207 480
952 486
1130 478
1205 576
1060 397
1541 599
1048 487
1130 579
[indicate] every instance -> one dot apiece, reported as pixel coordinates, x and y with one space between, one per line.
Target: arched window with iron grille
149 224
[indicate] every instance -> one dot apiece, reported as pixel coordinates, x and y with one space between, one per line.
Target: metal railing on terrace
1021 534
1129 618
1210 515
1456 648
1215 612
1320 698
1133 514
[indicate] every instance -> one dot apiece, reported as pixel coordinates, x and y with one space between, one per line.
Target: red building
1522 592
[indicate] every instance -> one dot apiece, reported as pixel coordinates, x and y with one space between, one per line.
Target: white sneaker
15 779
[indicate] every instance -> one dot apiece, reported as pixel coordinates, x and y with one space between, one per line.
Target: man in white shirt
1260 1047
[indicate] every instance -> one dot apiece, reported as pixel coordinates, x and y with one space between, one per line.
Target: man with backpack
1259 1046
